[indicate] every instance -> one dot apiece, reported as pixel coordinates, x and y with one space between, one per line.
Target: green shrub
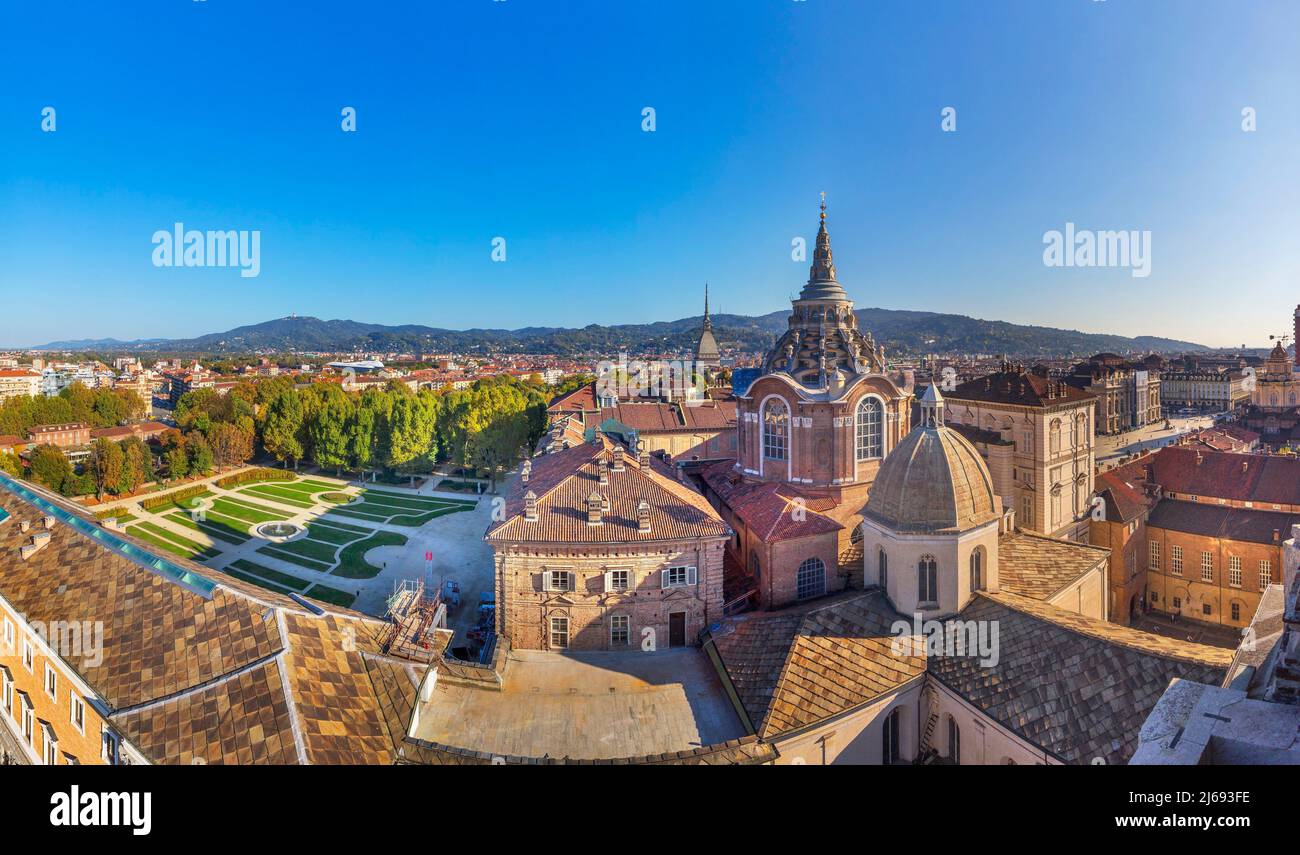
252 476
154 502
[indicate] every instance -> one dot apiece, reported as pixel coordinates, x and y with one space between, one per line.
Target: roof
1241 477
1243 524
932 481
797 667
1122 490
767 508
1014 385
582 399
1079 688
563 481
243 675
1039 567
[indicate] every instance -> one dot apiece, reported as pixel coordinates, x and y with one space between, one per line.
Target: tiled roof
1037 566
564 480
746 751
1018 387
1078 687
799 666
768 508
582 399
1242 477
1244 524
934 480
242 676
1121 488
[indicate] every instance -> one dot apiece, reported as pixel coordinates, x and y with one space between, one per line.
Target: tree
137 464
11 463
328 429
231 445
282 427
411 430
178 462
200 454
49 467
105 466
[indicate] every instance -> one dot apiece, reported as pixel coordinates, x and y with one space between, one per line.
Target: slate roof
562 482
1079 688
1016 386
799 666
1245 524
245 676
1038 566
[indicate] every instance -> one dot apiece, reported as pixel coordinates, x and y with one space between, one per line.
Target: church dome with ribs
934 481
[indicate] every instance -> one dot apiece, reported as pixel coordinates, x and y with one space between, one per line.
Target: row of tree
96 407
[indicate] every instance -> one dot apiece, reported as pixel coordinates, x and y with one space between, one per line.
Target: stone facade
1128 394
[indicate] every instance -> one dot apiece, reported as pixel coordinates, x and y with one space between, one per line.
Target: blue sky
522 119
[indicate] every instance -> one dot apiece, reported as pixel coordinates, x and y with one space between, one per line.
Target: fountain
278 531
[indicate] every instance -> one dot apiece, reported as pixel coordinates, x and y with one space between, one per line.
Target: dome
933 481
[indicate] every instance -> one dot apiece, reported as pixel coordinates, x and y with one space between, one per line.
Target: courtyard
325 538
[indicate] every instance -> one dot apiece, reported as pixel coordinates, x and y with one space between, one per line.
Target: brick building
599 549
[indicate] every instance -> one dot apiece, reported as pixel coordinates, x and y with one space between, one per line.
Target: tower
707 357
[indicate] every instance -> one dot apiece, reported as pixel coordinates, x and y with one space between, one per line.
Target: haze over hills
900 331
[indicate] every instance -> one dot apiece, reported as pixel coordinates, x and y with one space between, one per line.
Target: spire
932 407
708 324
822 284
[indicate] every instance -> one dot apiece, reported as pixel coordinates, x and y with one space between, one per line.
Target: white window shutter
690 575
546 580
609 582
663 578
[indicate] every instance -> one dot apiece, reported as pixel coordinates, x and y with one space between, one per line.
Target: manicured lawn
326 485
317 531
396 500
277 493
326 594
293 558
351 511
352 562
334 498
217 530
239 527
247 511
316 551
421 519
183 505
253 580
173 543
275 576
119 514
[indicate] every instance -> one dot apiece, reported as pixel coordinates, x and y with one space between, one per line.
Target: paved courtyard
586 706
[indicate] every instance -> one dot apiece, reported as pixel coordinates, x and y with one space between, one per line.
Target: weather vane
823 195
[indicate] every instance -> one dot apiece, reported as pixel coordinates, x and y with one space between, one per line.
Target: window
811 581
620 631
776 426
28 718
1178 603
559 632
1027 510
51 745
755 566
1205 608
618 580
870 442
9 633
977 569
1207 567
1234 571
1265 573
1054 437
1154 561
954 741
29 658
856 536
1236 611
558 580
51 683
78 714
927 581
678 577
1176 560
889 738
883 558
7 690
109 751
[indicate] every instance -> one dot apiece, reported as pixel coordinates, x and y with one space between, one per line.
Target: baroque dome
934 481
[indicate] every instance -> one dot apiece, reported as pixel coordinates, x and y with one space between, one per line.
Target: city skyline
533 133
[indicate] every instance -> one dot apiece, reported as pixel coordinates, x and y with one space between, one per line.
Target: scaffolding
413 616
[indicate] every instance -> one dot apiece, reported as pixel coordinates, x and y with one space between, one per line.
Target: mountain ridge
905 331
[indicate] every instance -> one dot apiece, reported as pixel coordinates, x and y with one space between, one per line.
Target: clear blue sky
522 119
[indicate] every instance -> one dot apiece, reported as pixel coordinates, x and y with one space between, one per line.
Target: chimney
49 522
1277 536
618 458
643 459
643 517
1198 457
530 506
526 471
602 471
594 504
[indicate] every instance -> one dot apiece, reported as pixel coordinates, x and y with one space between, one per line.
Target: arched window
883 557
811 581
869 433
927 581
889 738
1054 437
954 741
977 569
776 430
855 537
755 566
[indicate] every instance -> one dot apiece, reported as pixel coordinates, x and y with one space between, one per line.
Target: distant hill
899 331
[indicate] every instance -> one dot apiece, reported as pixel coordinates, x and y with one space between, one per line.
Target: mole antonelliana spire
706 351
